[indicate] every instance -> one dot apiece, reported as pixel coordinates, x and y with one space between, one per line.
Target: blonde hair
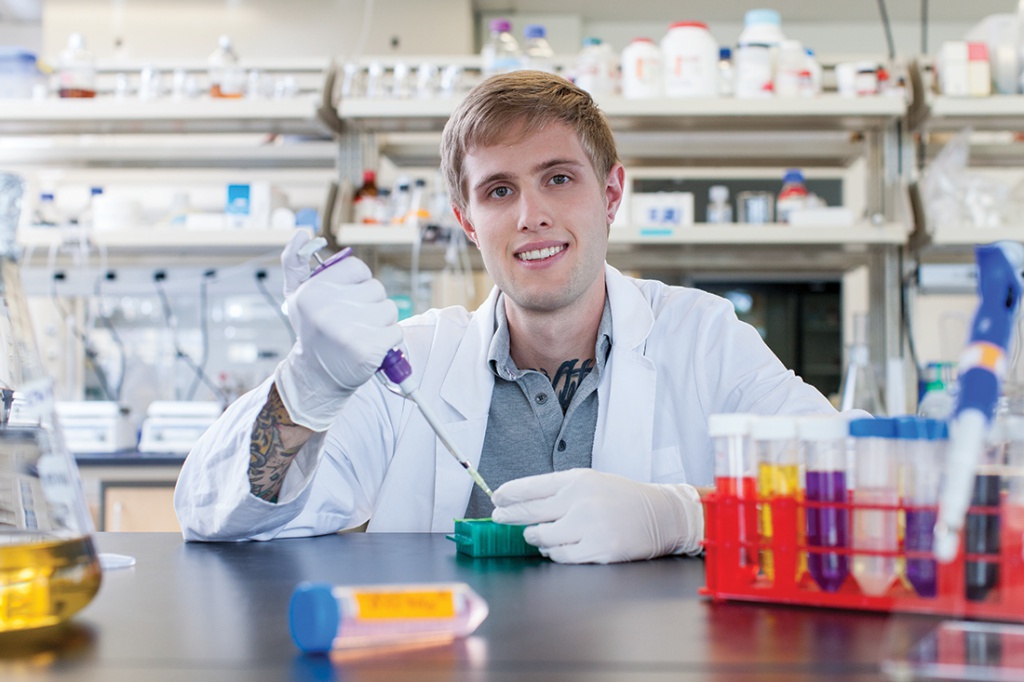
523 102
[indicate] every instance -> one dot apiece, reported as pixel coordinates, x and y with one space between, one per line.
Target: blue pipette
396 369
983 366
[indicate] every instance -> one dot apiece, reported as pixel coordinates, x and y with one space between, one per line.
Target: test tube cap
878 427
313 617
485 538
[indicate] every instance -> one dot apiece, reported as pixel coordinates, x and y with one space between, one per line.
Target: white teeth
538 254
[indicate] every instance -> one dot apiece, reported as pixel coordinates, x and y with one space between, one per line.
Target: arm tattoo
568 378
269 455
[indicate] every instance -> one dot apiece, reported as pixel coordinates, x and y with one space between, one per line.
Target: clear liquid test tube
923 443
325 617
823 443
778 476
874 485
736 486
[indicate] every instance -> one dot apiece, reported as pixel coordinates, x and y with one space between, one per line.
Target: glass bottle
719 208
792 196
364 203
227 79
49 569
501 53
860 389
76 69
537 52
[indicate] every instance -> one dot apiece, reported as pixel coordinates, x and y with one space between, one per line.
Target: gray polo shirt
527 433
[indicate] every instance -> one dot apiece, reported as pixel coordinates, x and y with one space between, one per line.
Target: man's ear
613 189
467 226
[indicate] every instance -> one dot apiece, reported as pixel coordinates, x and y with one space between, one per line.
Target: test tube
736 486
325 617
823 442
981 529
778 476
923 443
875 483
1013 511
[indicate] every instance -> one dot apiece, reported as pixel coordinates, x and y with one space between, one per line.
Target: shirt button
541 398
561 446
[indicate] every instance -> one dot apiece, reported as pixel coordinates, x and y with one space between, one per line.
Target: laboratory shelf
996 112
888 234
110 115
825 112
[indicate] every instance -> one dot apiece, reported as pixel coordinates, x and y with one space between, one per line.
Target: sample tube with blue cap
323 617
875 487
923 442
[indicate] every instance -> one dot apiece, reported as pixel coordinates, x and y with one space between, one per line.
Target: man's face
540 216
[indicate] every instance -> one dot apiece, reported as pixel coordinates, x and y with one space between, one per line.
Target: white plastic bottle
754 60
76 70
641 70
811 86
719 208
537 52
501 53
597 68
691 60
227 78
790 68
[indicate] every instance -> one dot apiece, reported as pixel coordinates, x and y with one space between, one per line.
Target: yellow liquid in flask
45 582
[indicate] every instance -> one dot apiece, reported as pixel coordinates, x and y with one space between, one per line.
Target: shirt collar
499 358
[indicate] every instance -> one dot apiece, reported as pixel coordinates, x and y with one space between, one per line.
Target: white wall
187 30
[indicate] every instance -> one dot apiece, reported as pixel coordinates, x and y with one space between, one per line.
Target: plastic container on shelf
19 74
690 55
792 197
76 69
642 70
790 68
501 52
597 68
227 77
719 209
754 59
811 85
537 52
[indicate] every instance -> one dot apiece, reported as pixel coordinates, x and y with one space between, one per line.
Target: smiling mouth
540 254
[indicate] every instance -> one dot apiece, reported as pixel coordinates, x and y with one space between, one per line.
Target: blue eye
559 179
500 192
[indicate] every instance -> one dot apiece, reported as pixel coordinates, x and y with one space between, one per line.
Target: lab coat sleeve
324 491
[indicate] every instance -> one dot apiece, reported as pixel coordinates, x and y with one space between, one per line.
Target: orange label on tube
393 605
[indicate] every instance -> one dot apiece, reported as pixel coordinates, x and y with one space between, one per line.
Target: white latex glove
345 325
586 516
295 268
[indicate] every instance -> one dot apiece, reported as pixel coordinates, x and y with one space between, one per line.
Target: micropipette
396 369
982 368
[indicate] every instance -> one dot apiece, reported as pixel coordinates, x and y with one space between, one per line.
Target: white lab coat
678 355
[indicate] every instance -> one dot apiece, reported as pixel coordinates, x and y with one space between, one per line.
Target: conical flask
49 569
860 388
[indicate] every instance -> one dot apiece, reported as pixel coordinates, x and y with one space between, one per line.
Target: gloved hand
586 516
295 268
345 325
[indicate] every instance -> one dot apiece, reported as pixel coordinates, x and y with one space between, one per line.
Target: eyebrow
540 167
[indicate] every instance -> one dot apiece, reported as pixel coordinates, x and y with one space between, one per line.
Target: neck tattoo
568 378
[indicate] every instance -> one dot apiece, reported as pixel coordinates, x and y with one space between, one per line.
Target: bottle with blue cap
323 617
792 197
875 485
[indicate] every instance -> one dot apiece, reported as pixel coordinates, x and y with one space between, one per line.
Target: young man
580 394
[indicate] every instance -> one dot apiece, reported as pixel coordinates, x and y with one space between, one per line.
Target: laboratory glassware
778 478
325 617
736 484
875 487
823 444
49 569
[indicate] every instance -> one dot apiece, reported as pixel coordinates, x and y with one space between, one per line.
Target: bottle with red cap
690 55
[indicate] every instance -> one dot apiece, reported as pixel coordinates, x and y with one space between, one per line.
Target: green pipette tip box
485 538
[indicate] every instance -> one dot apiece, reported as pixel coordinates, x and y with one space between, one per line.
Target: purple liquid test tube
823 442
924 446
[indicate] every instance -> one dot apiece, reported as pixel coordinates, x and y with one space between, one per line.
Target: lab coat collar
625 423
